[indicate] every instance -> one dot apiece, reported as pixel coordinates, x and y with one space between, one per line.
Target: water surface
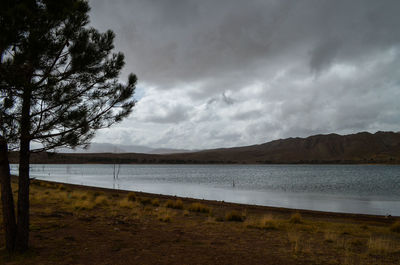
370 189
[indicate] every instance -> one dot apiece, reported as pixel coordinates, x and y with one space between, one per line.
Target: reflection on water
338 188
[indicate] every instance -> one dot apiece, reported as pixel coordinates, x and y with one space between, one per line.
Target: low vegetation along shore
73 224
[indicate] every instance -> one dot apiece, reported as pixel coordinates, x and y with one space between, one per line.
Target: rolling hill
362 148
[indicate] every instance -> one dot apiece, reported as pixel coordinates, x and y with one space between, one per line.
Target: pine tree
58 85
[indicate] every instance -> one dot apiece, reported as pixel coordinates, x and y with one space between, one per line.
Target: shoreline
91 225
306 212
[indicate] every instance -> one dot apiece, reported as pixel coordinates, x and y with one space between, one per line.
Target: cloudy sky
231 72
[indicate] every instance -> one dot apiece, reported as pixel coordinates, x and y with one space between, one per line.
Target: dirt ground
73 224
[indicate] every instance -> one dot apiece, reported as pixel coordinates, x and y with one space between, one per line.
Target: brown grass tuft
164 216
268 223
83 205
177 204
234 216
101 201
395 227
382 245
126 203
132 196
155 202
200 208
296 219
145 201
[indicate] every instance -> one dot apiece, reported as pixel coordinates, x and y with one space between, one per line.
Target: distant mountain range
361 148
119 148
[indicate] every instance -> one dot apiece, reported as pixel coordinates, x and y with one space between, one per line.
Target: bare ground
73 224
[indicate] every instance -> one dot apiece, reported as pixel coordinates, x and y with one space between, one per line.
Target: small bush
198 207
296 219
395 227
234 216
132 196
177 204
61 187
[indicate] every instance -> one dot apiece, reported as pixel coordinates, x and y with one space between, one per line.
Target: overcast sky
232 72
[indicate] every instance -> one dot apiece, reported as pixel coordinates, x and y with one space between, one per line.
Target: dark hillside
364 147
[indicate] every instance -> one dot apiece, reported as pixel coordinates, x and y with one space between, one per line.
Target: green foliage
63 71
58 85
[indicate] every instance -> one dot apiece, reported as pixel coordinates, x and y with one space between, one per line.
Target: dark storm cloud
259 69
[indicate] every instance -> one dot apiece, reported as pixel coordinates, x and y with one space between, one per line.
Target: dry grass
176 204
296 219
383 244
319 241
395 227
266 222
199 207
164 216
132 196
235 216
330 237
83 205
155 202
294 237
145 201
61 187
101 200
126 203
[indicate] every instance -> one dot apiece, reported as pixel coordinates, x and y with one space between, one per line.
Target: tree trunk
23 178
7 200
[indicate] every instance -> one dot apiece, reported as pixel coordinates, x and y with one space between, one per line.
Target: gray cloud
233 72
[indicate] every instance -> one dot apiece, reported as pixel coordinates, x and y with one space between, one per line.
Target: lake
369 189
